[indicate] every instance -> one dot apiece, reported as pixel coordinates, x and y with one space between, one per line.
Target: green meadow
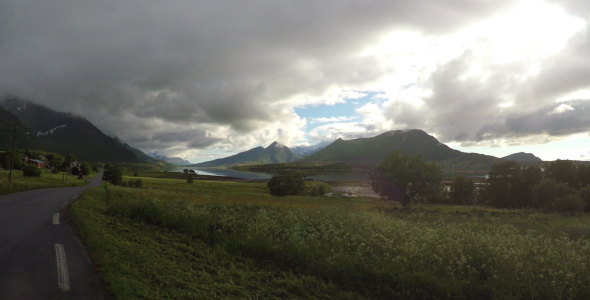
231 240
21 183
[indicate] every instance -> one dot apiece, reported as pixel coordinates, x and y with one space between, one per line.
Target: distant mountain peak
522 157
276 145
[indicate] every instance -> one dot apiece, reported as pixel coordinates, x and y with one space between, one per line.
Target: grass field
230 240
21 183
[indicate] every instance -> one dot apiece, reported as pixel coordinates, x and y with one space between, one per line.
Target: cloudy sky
206 79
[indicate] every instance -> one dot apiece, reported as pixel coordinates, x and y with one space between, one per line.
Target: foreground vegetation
21 183
207 240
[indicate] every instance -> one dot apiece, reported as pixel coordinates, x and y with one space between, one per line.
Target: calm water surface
357 176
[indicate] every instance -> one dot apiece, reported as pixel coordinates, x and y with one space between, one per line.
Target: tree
85 168
504 184
321 191
68 160
284 185
462 190
190 179
531 176
548 190
406 179
113 175
185 171
31 171
563 171
75 171
585 195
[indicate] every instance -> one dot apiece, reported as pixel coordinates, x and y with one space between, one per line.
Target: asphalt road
40 256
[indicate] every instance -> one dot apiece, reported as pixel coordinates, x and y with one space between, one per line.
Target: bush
321 191
462 190
138 183
585 195
113 175
135 174
85 168
190 179
568 203
75 171
284 185
32 171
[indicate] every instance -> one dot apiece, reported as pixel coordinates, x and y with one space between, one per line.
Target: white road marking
64 204
63 277
55 219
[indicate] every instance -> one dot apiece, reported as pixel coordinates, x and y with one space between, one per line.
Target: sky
206 79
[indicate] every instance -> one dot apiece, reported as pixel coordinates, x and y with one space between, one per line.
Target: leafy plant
31 171
285 185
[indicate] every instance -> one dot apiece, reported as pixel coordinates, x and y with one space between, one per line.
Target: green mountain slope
373 150
68 133
23 140
275 153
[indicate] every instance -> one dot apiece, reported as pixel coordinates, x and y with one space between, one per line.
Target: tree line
556 186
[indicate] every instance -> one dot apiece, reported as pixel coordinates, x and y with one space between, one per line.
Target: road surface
40 256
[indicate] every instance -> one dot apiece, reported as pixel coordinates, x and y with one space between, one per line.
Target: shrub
548 190
321 191
31 171
313 192
135 174
138 183
568 203
284 185
585 195
113 175
85 168
190 179
75 171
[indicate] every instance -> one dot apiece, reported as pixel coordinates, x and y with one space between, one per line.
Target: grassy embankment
232 240
21 183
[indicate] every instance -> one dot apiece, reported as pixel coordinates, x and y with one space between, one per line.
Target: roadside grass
21 183
360 246
138 260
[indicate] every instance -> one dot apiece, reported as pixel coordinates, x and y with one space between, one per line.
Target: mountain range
67 133
365 152
274 153
373 150
172 160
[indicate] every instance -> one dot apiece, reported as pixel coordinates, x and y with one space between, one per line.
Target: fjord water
352 176
355 176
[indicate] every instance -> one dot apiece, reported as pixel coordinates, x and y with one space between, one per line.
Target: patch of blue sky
318 115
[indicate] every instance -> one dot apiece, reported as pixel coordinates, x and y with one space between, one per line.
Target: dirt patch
360 189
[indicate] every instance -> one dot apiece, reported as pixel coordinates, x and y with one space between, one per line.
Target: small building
37 163
75 164
24 158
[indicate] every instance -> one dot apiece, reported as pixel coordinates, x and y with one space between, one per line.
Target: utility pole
12 155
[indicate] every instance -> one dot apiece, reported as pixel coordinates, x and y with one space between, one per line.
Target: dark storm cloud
127 64
556 120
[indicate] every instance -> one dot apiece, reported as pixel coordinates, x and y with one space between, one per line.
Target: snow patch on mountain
50 131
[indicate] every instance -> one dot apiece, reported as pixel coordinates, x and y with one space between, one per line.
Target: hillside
68 133
23 140
413 142
275 153
522 157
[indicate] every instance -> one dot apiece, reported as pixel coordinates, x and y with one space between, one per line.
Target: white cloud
561 109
